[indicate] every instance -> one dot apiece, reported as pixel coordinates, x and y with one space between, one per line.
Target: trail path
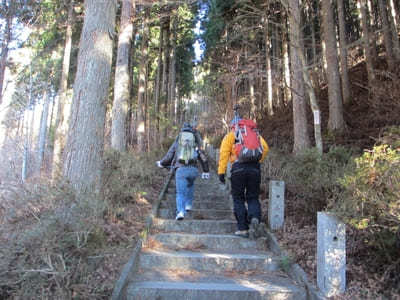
200 258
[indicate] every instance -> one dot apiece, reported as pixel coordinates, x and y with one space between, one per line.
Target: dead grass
55 246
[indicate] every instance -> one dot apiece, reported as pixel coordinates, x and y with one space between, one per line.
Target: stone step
175 284
207 241
199 204
209 261
202 214
195 226
171 197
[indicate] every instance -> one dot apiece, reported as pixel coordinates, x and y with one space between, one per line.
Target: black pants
245 181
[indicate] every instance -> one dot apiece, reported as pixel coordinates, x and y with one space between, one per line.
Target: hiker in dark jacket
184 155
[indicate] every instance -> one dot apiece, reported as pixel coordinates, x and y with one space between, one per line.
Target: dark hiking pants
245 182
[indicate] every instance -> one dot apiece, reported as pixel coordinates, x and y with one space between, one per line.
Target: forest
92 94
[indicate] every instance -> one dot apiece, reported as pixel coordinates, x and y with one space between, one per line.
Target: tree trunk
362 7
276 54
166 64
286 69
343 53
172 71
85 144
141 128
122 78
253 105
268 70
64 106
157 85
43 131
301 138
25 155
395 15
4 49
313 103
387 35
336 121
394 23
372 36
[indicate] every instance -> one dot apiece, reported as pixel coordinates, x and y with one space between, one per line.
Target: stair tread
214 254
223 221
276 279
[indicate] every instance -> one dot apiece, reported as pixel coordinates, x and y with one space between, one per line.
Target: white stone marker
276 204
331 254
217 156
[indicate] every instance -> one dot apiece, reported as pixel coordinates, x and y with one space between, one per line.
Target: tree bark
43 131
336 121
157 85
122 78
301 138
286 69
165 77
172 72
64 106
372 36
268 69
362 7
387 35
7 36
394 23
395 15
141 128
313 103
85 143
343 53
253 105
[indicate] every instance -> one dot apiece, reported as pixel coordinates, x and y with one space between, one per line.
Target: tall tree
172 69
394 24
85 143
64 106
122 77
165 74
43 130
387 35
336 121
363 15
157 84
301 138
8 15
267 39
141 112
286 64
343 52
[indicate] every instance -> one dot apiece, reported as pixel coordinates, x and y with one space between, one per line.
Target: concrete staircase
200 258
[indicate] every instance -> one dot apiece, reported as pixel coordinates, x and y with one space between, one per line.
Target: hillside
372 273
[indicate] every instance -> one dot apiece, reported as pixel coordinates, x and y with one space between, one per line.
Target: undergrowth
56 246
361 189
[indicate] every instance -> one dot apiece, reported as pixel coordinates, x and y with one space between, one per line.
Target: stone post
217 157
331 254
276 204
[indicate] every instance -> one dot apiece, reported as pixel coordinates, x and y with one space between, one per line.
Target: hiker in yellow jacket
245 181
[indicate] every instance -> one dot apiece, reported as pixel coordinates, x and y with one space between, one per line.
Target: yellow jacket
227 153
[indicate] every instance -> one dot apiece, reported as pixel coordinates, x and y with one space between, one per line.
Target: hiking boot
242 233
180 216
188 207
254 232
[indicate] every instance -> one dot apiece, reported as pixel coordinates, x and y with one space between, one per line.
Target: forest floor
369 112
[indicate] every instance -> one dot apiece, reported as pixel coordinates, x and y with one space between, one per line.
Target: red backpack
248 146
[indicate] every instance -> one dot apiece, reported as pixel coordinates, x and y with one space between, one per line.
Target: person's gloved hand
159 164
205 175
222 178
